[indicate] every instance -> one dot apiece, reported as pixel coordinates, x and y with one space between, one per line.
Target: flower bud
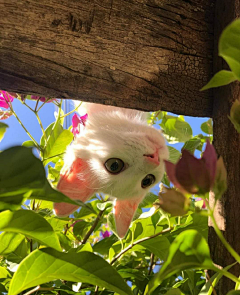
173 202
192 175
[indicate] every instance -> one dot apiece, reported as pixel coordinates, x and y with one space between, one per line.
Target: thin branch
66 229
41 125
138 242
20 122
88 234
96 290
38 288
151 264
28 107
209 279
35 110
71 111
56 122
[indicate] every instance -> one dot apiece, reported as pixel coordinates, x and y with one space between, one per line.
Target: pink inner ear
74 183
124 211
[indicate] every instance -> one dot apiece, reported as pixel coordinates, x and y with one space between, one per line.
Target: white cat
117 154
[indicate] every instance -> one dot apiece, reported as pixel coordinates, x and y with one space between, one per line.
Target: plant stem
40 123
28 107
38 288
138 242
88 234
229 275
151 264
154 118
41 106
56 122
53 156
33 205
35 110
20 122
71 111
96 290
209 279
222 238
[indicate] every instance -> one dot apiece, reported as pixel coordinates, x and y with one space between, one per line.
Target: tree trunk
227 144
143 54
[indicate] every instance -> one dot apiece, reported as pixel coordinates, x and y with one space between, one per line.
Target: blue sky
15 134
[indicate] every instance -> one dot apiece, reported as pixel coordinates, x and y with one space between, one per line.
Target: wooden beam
144 54
227 143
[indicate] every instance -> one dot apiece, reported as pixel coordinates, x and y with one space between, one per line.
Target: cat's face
117 154
125 159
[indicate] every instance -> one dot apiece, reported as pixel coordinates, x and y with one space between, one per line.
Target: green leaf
30 224
102 247
234 292
176 129
189 250
3 128
9 242
104 205
45 265
229 46
207 127
174 292
235 115
148 200
192 144
174 154
220 79
81 228
4 273
24 176
19 253
207 289
128 273
158 245
28 143
111 223
58 140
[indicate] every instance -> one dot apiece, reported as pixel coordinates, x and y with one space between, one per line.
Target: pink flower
192 175
5 114
5 98
42 99
204 203
106 234
76 120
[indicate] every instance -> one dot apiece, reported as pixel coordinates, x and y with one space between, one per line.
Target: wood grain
144 54
227 143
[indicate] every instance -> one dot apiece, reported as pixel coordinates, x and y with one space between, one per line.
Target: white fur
113 132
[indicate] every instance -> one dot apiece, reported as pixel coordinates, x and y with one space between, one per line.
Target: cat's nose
153 158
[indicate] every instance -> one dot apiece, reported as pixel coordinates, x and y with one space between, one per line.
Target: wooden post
227 144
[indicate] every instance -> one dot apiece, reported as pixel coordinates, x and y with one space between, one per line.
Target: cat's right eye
114 165
148 180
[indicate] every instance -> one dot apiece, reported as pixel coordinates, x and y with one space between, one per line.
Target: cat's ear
75 182
124 211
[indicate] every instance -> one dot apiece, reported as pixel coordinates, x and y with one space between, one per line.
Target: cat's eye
148 180
114 165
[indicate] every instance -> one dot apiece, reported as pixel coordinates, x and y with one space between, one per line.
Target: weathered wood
227 144
144 54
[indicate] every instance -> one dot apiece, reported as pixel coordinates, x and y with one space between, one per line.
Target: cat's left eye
114 165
